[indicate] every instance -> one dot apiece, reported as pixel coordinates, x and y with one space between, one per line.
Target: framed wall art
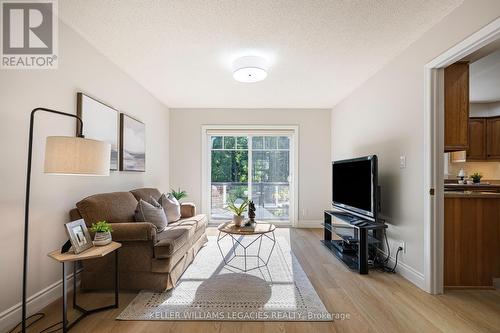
101 123
132 144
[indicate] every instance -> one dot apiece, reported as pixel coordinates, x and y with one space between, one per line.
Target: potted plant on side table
102 231
238 210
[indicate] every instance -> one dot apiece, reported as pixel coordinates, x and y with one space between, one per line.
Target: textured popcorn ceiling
181 51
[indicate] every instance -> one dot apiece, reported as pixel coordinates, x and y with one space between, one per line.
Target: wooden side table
92 253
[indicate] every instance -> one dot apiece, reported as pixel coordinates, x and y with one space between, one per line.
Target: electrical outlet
304 212
402 245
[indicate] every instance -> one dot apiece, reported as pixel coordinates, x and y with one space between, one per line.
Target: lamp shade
76 156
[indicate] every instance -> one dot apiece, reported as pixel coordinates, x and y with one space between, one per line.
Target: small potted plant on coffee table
476 177
102 231
238 210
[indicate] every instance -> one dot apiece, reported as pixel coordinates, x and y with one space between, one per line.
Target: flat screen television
355 186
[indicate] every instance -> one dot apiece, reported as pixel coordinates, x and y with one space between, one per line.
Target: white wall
81 68
384 116
314 150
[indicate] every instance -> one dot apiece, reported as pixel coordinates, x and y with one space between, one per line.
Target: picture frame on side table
132 144
101 123
79 236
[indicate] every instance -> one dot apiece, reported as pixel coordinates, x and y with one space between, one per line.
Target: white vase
102 238
237 220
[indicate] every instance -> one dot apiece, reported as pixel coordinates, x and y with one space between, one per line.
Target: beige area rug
209 290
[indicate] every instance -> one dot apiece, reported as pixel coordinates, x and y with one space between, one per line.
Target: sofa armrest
188 209
133 231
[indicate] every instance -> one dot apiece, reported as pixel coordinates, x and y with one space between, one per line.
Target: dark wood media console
349 238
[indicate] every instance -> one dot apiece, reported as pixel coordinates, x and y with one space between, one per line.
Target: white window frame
238 130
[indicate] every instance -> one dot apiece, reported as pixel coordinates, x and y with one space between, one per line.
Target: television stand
349 237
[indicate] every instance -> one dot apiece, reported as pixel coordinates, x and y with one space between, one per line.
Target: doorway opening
435 147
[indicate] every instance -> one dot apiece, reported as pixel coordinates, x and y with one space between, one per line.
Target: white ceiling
181 51
485 79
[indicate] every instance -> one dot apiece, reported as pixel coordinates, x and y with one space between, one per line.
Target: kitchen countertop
486 182
482 184
471 194
481 187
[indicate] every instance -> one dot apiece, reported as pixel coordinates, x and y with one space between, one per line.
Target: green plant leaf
476 176
237 209
179 194
101 226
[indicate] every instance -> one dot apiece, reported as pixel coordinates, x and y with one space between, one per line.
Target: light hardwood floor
378 302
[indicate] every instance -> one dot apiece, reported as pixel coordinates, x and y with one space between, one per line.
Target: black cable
387 269
382 263
393 270
40 316
377 261
386 260
45 330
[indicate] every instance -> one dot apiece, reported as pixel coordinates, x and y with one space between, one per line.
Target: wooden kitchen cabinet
493 138
477 140
471 240
456 107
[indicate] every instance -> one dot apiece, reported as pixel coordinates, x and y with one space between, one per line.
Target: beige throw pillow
171 206
152 213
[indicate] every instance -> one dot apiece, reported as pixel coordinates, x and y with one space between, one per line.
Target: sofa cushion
171 207
134 231
109 207
188 209
162 265
146 193
151 212
196 221
177 234
170 241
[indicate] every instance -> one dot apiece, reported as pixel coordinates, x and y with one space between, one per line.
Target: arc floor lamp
67 156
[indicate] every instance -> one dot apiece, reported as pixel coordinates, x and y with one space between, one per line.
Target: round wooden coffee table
259 230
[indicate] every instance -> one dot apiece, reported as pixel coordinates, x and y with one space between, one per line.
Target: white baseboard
309 224
407 271
35 303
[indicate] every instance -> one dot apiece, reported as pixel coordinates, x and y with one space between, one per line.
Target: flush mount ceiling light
250 69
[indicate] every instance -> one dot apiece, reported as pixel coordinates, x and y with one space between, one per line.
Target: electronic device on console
351 228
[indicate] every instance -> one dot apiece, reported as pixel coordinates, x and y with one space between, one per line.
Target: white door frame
291 130
434 151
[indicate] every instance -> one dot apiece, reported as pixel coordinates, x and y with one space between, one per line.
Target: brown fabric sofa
147 259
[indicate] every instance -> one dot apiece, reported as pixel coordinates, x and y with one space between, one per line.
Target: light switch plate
402 162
